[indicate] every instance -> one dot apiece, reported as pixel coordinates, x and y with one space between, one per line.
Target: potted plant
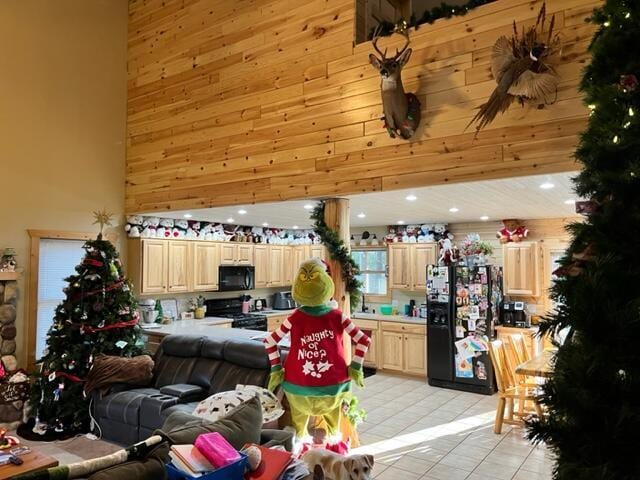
196 305
475 250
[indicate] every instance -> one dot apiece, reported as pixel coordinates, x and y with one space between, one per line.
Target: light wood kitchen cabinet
316 251
552 252
521 267
408 265
287 266
404 347
300 253
370 327
153 266
415 354
399 266
392 350
274 321
179 267
422 254
206 260
276 265
261 262
236 254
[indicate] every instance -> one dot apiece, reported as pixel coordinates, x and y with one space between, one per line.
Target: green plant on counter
197 302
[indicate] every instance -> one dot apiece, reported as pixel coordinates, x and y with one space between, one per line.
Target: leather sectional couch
187 370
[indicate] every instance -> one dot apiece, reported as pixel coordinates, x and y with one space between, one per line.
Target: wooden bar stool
510 390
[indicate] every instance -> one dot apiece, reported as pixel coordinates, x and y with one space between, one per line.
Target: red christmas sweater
316 362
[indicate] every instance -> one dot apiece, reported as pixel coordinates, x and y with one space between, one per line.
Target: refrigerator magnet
459 331
471 324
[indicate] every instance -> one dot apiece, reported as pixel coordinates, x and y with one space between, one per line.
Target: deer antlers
376 37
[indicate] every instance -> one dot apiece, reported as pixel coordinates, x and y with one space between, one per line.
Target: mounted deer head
401 110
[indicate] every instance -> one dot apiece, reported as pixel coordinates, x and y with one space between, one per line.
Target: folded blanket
107 370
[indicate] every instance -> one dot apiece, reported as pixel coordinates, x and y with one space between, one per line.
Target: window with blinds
58 259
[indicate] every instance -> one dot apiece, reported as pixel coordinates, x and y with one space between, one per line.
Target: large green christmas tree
593 399
98 316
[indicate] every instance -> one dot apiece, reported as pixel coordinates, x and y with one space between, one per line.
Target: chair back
501 366
520 347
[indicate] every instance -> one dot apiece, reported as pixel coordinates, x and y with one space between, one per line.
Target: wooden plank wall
237 102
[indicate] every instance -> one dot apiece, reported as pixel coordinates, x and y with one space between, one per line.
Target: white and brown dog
337 467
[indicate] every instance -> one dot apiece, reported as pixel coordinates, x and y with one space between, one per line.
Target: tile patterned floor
417 431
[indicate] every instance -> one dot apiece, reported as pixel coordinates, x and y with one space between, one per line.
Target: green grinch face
312 286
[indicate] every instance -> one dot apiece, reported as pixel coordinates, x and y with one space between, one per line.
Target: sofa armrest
184 392
272 438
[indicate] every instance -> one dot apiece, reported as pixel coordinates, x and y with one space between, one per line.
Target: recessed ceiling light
400 222
484 218
295 227
411 198
361 215
230 220
242 211
187 215
571 201
547 186
265 224
308 206
454 209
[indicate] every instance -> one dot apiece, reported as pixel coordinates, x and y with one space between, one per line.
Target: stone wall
8 300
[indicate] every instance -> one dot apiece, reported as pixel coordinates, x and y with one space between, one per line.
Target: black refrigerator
462 305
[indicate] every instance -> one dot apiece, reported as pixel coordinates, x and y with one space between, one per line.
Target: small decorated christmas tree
98 316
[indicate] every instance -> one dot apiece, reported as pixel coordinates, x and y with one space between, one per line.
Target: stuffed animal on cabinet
316 378
512 231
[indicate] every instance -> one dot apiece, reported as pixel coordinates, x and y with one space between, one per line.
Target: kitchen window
373 270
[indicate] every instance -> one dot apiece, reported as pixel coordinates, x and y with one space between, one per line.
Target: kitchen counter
390 318
274 313
206 327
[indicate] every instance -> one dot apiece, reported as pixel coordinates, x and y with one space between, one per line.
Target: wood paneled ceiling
259 101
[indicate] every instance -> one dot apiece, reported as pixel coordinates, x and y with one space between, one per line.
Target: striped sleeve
271 342
361 340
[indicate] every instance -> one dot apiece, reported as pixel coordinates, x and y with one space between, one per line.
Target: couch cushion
149 468
246 353
124 407
241 426
176 357
211 357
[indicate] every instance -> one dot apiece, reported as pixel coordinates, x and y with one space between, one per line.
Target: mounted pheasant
521 68
401 110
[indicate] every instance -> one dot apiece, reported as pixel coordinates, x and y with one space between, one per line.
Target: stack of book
189 460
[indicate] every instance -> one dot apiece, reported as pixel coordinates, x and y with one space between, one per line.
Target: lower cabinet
152 341
274 321
396 346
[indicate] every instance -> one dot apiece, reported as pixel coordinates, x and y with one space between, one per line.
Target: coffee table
32 462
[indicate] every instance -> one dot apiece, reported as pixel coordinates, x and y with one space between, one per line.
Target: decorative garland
338 252
444 10
130 323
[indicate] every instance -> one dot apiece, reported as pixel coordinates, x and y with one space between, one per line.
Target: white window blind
58 259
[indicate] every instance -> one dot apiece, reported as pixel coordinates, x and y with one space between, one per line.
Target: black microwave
234 277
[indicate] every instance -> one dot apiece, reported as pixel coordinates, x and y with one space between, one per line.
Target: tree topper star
102 218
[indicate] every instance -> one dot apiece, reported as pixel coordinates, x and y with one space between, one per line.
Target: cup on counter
407 310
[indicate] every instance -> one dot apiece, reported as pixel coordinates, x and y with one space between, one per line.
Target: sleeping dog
337 467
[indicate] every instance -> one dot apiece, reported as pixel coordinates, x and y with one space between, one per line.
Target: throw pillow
220 404
241 425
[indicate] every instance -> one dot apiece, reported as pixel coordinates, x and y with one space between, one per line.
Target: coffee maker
513 314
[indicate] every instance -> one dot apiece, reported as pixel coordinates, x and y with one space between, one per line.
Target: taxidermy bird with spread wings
521 69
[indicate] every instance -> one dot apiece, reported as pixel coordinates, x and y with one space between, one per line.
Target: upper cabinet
552 252
399 266
179 266
521 265
408 265
153 266
236 254
206 260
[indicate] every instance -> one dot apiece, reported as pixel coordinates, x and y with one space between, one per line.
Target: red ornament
628 83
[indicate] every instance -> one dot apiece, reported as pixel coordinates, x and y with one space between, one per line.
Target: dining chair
510 390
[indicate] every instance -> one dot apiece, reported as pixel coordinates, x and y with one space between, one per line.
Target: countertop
390 318
205 327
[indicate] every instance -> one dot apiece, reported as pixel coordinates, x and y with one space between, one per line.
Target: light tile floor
417 431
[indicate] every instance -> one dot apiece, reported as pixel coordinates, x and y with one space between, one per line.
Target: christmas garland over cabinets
338 252
444 10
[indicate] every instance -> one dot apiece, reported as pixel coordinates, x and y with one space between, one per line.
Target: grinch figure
316 378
